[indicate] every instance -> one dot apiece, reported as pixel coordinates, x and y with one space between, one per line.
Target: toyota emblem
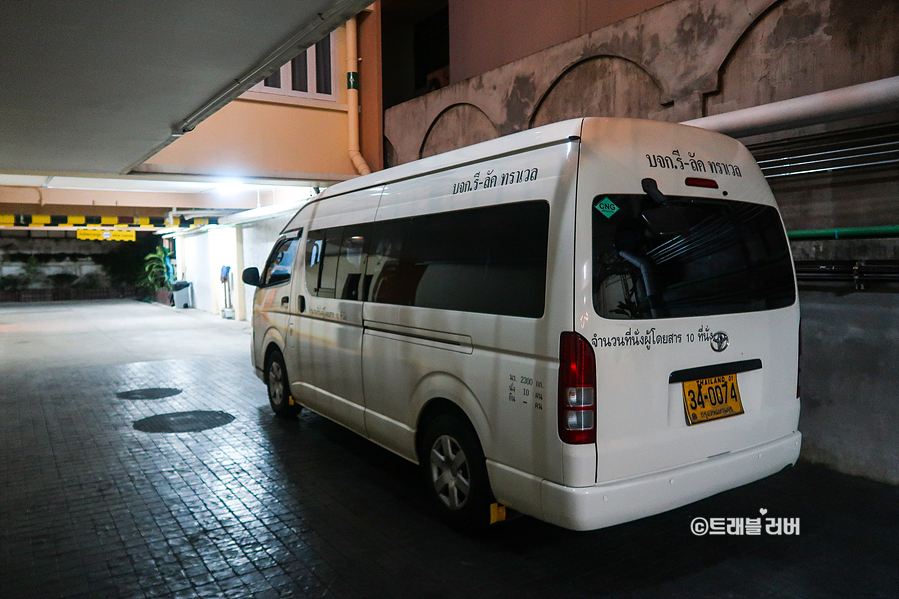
719 341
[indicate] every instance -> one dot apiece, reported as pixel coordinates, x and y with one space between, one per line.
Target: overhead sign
106 235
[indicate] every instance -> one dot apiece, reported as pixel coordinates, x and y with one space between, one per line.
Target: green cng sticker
607 207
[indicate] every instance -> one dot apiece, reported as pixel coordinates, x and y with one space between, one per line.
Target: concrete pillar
239 295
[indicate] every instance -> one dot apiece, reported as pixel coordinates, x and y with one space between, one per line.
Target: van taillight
699 182
577 390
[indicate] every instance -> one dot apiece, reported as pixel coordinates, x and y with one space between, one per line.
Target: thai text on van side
492 179
696 165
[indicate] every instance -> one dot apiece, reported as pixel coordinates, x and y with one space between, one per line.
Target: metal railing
859 272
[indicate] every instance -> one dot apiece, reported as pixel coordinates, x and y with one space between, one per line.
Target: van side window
315 245
386 284
322 251
351 262
490 260
277 269
327 281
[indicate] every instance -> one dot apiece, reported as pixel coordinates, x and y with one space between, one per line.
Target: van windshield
687 257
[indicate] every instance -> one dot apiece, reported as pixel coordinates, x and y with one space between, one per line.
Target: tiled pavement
261 507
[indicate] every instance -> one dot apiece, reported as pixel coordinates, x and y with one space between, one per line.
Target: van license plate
712 398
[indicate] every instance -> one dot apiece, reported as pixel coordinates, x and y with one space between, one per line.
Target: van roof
508 144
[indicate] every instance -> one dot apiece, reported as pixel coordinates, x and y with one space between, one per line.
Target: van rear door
690 302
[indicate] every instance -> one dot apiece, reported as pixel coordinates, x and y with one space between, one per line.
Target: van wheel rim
449 472
275 383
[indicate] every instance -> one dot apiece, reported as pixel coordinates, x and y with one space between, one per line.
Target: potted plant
158 266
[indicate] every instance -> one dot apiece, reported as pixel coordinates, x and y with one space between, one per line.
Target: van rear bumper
588 508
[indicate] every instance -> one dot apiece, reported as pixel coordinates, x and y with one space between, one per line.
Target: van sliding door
329 331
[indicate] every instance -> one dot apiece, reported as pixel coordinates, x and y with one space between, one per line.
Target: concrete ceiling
99 86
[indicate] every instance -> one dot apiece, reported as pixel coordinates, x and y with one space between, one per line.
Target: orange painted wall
293 138
371 104
267 137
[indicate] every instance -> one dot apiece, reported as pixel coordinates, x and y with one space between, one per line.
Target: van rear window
687 257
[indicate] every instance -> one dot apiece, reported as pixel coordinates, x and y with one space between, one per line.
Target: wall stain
698 30
844 21
798 21
603 86
589 51
622 43
518 103
457 126
652 49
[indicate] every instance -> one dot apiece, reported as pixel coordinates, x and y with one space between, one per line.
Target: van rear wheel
279 387
455 473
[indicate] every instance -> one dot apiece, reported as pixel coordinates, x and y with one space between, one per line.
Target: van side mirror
250 276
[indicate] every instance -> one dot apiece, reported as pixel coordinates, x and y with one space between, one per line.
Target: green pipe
845 233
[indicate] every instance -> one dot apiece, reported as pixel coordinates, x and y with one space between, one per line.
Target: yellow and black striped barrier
128 222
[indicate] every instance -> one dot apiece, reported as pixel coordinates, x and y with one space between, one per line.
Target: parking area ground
139 458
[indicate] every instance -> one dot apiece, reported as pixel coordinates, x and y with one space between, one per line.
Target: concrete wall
690 58
485 34
850 379
800 47
193 266
678 61
201 256
846 198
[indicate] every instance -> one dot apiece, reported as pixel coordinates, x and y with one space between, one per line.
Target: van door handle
302 302
284 301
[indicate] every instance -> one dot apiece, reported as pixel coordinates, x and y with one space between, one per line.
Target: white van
588 322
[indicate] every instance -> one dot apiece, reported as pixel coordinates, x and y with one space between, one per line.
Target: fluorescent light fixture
122 184
232 186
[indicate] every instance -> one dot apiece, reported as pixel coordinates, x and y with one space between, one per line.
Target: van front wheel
455 473
279 387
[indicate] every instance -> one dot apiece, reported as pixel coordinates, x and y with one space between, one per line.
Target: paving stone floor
90 506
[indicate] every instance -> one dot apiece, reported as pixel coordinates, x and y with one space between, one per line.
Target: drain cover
155 393
183 422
